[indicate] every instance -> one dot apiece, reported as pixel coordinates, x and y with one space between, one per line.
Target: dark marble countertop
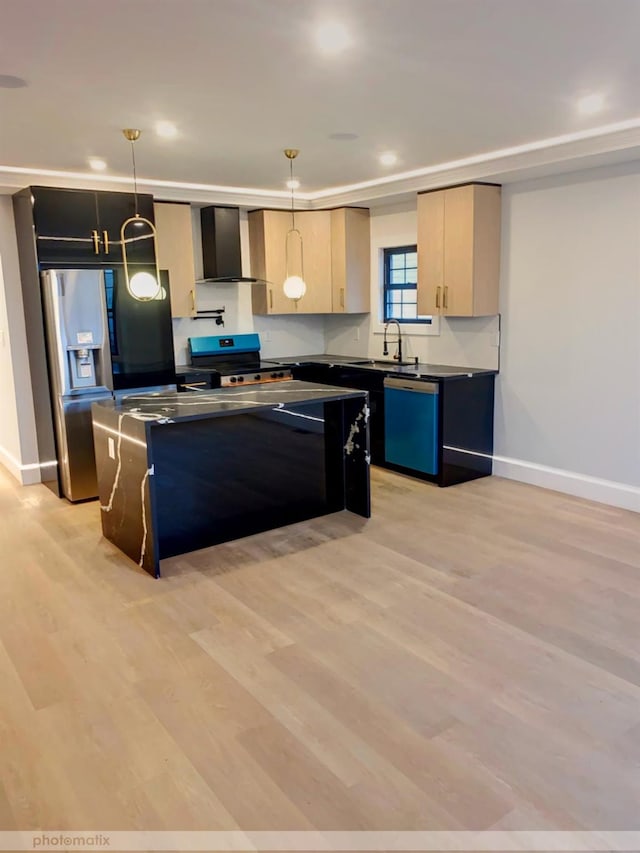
420 370
172 407
424 371
318 359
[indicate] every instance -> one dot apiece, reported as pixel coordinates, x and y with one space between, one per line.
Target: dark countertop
318 359
173 407
424 371
420 370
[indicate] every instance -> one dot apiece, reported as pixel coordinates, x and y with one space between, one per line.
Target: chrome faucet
385 347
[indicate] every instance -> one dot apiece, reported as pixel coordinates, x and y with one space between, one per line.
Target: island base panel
124 477
239 475
348 449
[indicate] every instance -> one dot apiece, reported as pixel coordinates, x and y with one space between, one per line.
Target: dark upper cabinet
113 210
66 225
82 227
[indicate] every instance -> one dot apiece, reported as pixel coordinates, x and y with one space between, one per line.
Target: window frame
388 253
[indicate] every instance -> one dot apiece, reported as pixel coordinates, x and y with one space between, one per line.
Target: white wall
461 342
303 335
568 402
18 448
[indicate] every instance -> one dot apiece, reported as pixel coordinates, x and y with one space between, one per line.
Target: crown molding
608 143
560 153
13 178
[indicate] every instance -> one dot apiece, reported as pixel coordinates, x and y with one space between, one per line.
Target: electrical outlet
357 334
496 340
112 447
266 337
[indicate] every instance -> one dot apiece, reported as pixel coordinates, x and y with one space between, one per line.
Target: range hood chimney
221 256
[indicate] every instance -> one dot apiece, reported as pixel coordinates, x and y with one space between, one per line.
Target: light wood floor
469 658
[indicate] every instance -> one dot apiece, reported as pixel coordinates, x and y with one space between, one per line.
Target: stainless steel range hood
221 256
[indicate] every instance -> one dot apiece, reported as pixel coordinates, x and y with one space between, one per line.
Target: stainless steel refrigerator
100 342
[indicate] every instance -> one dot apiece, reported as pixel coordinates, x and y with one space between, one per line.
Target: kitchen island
182 471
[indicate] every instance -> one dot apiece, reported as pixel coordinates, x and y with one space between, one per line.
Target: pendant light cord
135 178
293 212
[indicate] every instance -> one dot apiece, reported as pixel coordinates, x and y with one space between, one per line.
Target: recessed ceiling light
97 164
388 158
332 37
343 137
591 104
293 184
8 81
166 129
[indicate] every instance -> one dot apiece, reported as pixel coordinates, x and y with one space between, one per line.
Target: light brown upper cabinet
315 228
336 260
459 251
175 254
350 260
267 234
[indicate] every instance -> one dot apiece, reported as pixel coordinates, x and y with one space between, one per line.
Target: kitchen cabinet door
267 235
459 251
175 254
315 228
430 252
350 261
66 226
113 210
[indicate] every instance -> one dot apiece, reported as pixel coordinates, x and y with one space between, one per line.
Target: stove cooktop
228 375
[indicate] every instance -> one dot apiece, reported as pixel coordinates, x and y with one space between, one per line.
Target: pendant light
143 286
294 286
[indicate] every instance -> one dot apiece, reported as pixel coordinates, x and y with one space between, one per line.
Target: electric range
218 361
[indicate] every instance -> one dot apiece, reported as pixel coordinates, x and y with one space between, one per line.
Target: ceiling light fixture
142 285
294 285
97 164
388 158
341 136
332 37
166 129
591 104
8 81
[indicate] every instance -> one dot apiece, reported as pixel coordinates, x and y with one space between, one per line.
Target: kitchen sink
381 364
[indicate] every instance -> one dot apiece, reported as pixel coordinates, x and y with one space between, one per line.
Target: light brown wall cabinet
336 260
175 254
459 251
350 260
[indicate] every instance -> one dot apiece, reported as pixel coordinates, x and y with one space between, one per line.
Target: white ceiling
433 80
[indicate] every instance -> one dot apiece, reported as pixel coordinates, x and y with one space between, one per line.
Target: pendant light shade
294 285
144 285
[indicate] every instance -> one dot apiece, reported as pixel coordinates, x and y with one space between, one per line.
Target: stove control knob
233 379
240 378
257 377
280 375
274 375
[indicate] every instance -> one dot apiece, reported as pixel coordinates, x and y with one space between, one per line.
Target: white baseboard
27 475
580 485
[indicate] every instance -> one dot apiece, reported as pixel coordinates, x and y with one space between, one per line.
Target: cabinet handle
342 297
105 237
445 301
193 300
270 298
96 242
437 297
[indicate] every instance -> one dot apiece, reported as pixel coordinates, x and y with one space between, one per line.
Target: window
400 285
